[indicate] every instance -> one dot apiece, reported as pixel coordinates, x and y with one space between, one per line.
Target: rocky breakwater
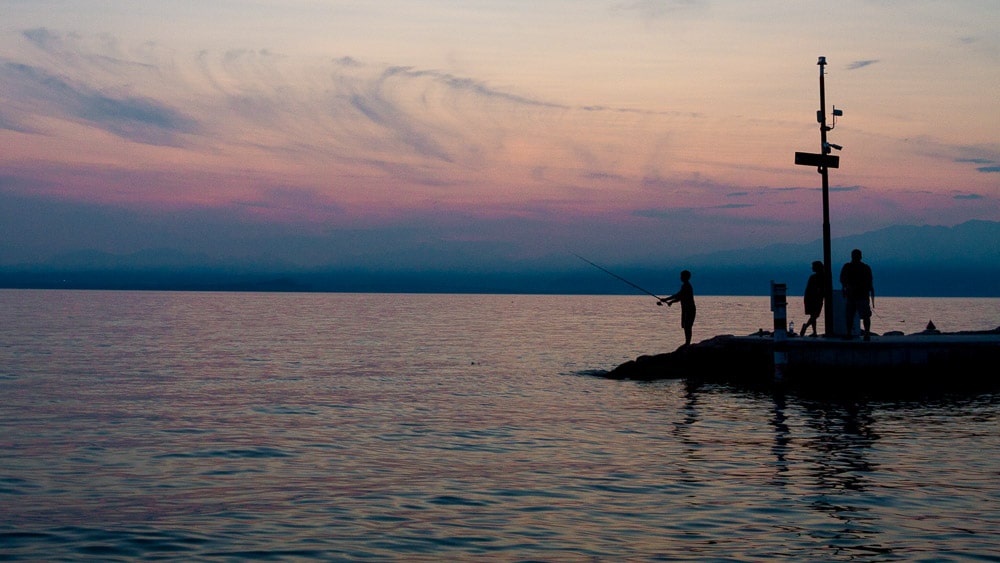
721 356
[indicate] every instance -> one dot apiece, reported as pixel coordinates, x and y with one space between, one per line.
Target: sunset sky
485 133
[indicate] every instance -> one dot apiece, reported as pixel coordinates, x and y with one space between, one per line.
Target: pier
925 361
839 361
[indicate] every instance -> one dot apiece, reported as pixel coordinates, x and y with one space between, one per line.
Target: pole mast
823 170
823 161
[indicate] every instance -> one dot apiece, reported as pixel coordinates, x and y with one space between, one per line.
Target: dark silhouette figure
813 297
686 298
856 280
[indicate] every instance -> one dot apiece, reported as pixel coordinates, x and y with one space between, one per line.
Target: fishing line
616 276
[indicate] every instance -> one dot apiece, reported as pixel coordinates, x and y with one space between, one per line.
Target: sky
485 134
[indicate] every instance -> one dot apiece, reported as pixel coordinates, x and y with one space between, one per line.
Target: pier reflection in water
859 479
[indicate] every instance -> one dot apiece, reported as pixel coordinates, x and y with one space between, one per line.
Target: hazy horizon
899 256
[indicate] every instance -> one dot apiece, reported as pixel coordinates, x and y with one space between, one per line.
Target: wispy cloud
468 85
396 134
10 123
861 64
969 196
44 39
135 118
655 9
345 110
665 212
990 168
603 176
398 123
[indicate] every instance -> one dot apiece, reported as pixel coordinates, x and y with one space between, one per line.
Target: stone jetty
893 362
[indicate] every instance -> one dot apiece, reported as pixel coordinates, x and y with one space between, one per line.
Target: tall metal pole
824 150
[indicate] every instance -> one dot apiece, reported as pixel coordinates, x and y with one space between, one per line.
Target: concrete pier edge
891 362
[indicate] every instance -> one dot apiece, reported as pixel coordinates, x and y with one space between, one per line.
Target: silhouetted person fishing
813 297
856 280
686 298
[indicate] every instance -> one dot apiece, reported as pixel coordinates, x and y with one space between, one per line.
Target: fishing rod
659 300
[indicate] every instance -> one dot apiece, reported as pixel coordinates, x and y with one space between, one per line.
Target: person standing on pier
686 298
856 280
813 297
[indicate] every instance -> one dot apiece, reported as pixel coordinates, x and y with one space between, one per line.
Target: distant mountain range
970 243
963 260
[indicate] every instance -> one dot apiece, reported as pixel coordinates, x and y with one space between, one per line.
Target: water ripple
423 428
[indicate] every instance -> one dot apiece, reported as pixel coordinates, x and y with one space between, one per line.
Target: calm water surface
238 426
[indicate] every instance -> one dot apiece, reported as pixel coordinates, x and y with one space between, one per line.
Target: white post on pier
779 306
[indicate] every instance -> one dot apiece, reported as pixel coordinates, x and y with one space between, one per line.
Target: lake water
347 427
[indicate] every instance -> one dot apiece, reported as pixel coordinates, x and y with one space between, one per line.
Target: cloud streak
657 9
856 65
43 92
375 134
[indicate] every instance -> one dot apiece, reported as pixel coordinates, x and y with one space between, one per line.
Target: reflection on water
344 427
839 487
